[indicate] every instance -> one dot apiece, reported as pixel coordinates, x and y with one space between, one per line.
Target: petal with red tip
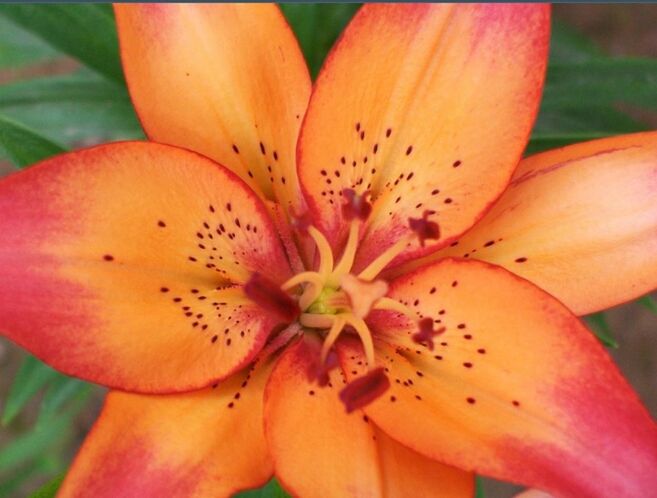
516 387
579 222
427 106
226 80
319 450
123 264
206 443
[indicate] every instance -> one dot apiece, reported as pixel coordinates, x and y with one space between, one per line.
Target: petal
320 450
122 265
205 443
228 81
579 222
430 108
517 388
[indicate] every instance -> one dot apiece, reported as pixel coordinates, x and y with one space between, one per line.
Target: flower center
332 300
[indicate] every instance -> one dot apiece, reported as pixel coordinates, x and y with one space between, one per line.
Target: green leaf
20 48
74 110
598 324
271 490
61 391
649 302
479 488
317 26
86 32
49 490
32 376
568 45
22 146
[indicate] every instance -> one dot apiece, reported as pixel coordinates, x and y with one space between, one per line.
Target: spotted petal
319 450
580 222
516 388
429 107
122 264
192 445
226 80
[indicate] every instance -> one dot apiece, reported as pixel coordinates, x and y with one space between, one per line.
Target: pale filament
330 277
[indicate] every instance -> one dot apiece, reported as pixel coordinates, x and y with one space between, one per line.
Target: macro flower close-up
359 285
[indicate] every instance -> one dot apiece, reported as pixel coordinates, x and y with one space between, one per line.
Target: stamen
364 334
427 333
329 340
347 259
269 295
356 206
324 249
320 371
362 295
376 266
424 228
300 222
362 391
316 320
310 277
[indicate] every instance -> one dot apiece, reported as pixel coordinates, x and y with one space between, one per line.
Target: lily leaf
74 110
49 490
60 393
598 324
649 302
19 48
86 32
271 490
317 26
22 146
32 376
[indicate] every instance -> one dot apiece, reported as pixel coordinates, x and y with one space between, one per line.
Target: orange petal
319 450
122 264
429 107
516 388
579 222
206 443
227 80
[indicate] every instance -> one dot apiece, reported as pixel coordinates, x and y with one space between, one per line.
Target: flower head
350 287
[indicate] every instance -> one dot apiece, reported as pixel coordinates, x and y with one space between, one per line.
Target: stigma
332 300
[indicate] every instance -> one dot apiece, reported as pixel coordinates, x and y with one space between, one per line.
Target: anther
320 371
362 391
427 333
424 228
356 205
300 222
269 295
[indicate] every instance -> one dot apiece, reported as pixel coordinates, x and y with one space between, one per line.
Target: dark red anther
269 296
300 222
362 391
356 206
427 333
320 372
424 228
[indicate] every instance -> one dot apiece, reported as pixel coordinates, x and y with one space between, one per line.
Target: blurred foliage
587 95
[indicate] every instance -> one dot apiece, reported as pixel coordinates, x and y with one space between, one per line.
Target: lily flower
357 287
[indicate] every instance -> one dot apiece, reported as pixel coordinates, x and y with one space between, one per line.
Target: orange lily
238 297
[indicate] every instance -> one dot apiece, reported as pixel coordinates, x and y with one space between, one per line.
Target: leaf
86 32
317 26
60 392
74 110
31 377
20 48
271 490
23 146
649 302
49 490
598 324
568 45
479 488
